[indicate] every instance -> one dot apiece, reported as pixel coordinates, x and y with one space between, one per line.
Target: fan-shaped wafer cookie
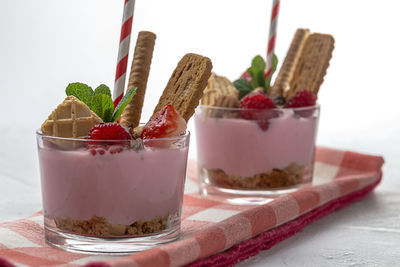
285 75
72 118
185 87
138 78
312 65
220 92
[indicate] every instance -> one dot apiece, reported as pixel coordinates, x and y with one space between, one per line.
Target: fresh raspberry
167 122
258 106
256 100
108 131
302 98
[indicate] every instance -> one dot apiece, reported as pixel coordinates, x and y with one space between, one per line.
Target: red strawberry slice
258 106
167 122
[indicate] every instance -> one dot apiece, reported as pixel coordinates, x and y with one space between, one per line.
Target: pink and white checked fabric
215 233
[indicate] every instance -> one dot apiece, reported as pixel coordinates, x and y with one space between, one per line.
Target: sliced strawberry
258 106
167 122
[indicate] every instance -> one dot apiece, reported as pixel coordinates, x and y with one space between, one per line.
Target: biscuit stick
139 74
282 81
312 65
185 87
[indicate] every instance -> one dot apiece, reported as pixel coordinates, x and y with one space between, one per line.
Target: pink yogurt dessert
111 191
236 153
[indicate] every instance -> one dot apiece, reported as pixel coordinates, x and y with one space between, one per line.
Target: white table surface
46 44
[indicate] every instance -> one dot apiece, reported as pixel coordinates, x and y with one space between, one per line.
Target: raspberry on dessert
167 122
106 132
109 131
302 98
258 106
256 100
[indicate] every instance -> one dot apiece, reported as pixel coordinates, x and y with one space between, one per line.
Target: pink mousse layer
123 187
240 147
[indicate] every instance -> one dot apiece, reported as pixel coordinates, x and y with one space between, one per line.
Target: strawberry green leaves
99 100
257 74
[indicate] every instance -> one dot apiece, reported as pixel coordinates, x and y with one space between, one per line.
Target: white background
46 44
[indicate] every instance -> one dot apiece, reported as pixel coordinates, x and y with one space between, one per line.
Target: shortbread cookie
313 63
220 92
72 118
138 78
185 87
285 75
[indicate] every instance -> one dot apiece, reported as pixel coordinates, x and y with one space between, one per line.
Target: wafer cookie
138 78
72 119
220 92
312 65
285 75
185 87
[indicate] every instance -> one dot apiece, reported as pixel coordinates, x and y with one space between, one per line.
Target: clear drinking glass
255 153
112 196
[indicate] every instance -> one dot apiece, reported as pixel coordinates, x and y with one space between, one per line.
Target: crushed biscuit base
99 226
276 178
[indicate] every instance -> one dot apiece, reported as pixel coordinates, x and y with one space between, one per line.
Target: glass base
221 187
113 246
245 197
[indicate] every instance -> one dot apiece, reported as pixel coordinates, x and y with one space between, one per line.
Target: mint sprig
122 104
103 106
257 74
99 100
81 91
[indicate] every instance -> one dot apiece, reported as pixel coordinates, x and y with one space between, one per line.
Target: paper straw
123 51
272 36
271 41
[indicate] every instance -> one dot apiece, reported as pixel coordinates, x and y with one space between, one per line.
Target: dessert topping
109 131
167 122
99 100
71 119
255 101
302 98
255 76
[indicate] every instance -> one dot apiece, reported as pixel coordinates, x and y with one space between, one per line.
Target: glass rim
316 106
39 133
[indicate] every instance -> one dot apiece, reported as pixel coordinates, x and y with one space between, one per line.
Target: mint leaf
243 86
258 63
256 72
103 106
122 104
81 91
102 89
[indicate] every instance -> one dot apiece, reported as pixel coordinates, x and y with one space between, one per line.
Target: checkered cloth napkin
215 233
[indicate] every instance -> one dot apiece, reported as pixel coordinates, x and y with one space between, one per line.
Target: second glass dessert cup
252 155
112 196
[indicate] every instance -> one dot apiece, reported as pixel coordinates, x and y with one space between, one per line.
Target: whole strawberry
302 98
257 106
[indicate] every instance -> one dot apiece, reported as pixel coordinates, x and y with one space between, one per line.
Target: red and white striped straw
272 36
123 51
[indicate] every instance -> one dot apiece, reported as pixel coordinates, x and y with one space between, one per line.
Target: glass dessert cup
112 196
256 159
